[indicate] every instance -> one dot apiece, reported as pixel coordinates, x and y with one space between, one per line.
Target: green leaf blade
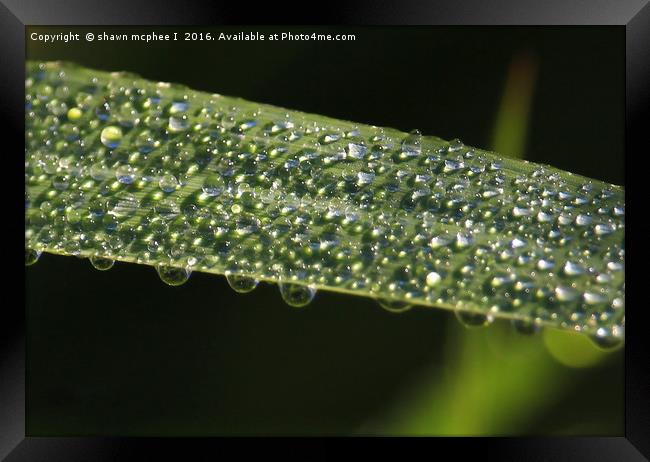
122 168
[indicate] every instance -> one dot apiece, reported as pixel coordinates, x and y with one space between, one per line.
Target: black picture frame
633 15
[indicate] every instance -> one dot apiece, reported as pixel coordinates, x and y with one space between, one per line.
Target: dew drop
101 263
241 284
452 166
394 306
74 114
593 298
213 185
167 209
603 278
605 340
125 174
614 266
168 183
356 150
525 326
111 136
517 243
566 294
473 319
364 178
440 241
412 144
103 111
573 269
603 229
329 138
455 145
520 212
31 256
124 205
178 107
61 182
433 279
247 125
173 275
178 124
545 264
97 171
296 295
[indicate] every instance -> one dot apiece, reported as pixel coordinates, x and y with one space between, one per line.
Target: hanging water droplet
394 306
172 275
31 256
605 340
101 263
111 137
525 326
296 295
473 318
241 284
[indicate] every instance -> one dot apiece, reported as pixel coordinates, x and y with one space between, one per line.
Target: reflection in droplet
473 319
173 275
241 284
213 185
296 295
394 306
525 326
111 137
31 256
605 340
102 264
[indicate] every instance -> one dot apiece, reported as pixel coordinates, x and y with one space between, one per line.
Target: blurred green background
120 353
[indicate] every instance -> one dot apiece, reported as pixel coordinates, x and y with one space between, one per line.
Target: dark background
121 353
